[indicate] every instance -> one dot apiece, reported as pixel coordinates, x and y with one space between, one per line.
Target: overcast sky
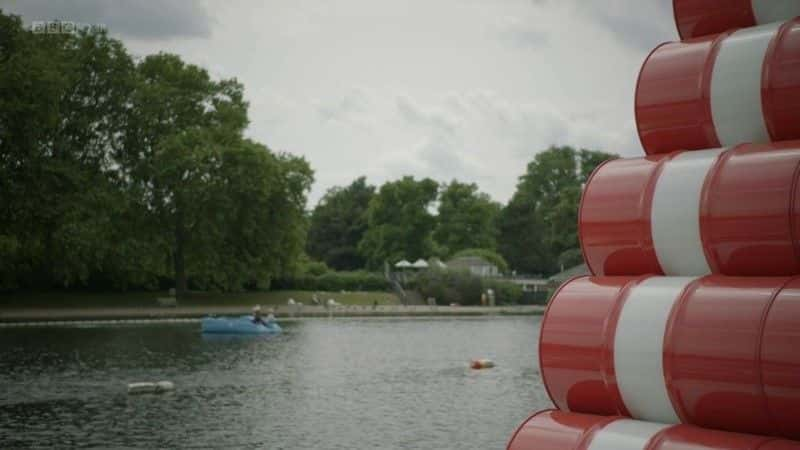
464 89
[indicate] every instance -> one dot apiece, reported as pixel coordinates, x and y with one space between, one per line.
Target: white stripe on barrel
639 344
736 86
768 11
625 434
675 213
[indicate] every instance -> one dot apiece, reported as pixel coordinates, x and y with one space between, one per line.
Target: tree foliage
338 224
467 219
116 173
180 126
539 223
62 107
399 222
122 173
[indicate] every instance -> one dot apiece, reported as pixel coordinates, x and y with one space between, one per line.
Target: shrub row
334 281
448 286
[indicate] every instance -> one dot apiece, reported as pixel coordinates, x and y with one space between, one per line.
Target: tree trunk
180 269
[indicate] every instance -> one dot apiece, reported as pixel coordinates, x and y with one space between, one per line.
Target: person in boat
258 318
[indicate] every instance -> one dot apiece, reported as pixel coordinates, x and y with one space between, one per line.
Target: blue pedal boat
237 325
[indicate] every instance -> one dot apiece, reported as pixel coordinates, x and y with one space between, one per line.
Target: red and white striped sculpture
718 194
695 18
728 211
721 90
558 430
717 352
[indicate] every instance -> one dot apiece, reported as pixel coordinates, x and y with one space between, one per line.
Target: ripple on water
342 383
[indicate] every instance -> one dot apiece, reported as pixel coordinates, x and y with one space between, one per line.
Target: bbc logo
63 27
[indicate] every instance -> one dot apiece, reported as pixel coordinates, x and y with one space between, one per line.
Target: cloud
144 20
466 89
641 24
353 103
487 138
522 33
431 118
353 111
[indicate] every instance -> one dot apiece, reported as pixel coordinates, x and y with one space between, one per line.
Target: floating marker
150 387
481 364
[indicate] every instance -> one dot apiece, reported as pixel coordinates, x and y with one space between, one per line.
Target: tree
245 223
117 174
338 224
64 101
540 221
570 258
467 219
589 160
400 224
179 121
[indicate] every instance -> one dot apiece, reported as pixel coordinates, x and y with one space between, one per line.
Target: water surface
322 384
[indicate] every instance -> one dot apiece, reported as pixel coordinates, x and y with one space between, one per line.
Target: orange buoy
481 364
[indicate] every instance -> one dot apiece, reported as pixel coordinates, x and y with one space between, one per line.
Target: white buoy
150 387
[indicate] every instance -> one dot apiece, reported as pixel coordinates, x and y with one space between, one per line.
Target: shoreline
11 316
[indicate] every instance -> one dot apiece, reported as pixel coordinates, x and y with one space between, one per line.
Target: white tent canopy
420 264
403 264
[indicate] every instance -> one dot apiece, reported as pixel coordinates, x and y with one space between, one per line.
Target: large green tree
467 219
400 223
179 123
338 224
117 174
63 104
242 212
538 227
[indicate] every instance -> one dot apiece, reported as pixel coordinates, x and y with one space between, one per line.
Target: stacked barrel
687 335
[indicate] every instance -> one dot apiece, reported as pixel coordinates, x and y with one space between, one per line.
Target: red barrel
726 211
558 430
716 352
721 90
695 18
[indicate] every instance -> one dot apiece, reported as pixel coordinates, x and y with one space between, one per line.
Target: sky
447 89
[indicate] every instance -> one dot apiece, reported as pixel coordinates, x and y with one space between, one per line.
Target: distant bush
449 286
570 258
314 268
489 255
334 281
540 297
505 293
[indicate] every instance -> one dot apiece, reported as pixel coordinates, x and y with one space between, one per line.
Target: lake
323 384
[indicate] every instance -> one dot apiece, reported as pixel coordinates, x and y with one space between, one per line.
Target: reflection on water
342 383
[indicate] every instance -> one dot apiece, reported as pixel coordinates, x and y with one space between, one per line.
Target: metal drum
727 211
695 18
716 352
557 430
721 90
